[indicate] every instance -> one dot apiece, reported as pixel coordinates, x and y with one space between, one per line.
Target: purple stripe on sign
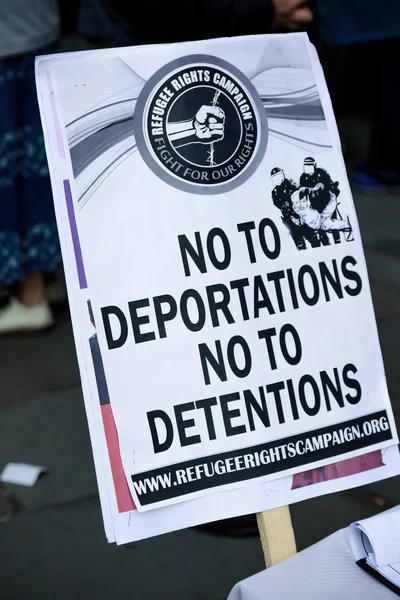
57 128
75 236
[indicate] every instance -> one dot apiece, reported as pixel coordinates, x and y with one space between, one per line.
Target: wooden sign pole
277 535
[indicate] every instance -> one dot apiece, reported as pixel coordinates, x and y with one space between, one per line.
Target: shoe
18 317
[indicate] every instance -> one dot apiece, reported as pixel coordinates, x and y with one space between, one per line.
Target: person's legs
10 267
312 236
295 232
298 237
39 239
32 288
336 234
28 235
323 236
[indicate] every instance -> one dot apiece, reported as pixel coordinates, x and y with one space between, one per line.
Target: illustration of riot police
323 192
282 192
317 221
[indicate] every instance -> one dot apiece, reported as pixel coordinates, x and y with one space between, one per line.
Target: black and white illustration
310 208
203 120
200 125
205 128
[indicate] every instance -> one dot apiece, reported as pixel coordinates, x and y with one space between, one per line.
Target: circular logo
200 125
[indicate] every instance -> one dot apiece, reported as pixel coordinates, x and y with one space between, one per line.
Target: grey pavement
34 365
54 546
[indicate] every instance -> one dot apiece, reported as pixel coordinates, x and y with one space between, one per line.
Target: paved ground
55 547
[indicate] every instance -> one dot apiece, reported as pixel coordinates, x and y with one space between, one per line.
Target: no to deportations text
231 302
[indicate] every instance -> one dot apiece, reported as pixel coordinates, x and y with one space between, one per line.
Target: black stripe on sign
269 458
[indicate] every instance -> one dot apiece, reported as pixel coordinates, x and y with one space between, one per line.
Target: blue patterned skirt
28 232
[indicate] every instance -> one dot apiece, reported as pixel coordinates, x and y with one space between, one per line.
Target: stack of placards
219 296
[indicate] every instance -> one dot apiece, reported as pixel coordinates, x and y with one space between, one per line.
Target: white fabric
325 571
27 25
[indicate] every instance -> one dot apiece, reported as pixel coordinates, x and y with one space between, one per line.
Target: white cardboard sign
213 226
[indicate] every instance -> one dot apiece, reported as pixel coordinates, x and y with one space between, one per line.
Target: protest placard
205 212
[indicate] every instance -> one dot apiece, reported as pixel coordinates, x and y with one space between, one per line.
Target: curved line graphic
292 137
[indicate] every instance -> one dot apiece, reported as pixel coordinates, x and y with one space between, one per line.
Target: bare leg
32 289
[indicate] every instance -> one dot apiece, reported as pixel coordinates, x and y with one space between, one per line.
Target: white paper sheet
123 524
22 473
383 534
